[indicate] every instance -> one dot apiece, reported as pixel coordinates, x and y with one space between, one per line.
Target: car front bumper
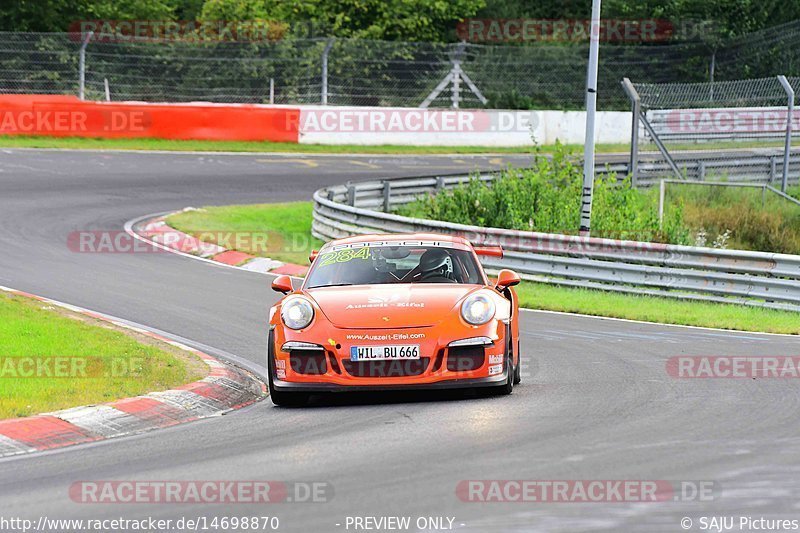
493 381
436 369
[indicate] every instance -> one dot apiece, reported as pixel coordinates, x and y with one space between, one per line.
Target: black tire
508 387
518 371
281 398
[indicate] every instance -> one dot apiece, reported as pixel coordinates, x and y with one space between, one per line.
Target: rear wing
489 251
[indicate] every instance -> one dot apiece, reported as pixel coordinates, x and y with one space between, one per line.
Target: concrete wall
412 126
66 116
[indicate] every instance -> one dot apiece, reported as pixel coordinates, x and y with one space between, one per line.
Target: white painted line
103 420
197 405
261 264
10 447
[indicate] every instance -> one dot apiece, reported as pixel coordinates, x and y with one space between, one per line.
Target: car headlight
478 309
297 312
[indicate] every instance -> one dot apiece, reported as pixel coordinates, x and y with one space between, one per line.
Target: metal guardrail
749 168
731 276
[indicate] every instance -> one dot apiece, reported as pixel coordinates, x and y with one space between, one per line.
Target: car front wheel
278 397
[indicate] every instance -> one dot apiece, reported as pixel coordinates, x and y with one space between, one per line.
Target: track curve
597 405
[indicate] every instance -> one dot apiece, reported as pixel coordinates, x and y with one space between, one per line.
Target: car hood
389 306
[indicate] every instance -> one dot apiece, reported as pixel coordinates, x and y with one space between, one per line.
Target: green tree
405 20
57 15
729 17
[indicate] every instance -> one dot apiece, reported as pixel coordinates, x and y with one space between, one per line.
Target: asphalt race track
597 403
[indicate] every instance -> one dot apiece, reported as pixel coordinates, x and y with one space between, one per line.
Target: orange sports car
381 312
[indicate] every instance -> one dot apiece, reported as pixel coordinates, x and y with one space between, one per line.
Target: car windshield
370 264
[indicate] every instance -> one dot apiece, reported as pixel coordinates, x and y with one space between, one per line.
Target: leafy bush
739 217
547 198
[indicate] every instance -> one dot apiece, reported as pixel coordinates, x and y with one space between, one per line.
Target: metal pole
636 109
660 145
591 109
789 116
783 195
272 90
711 75
325 53
108 90
773 168
82 65
456 84
661 197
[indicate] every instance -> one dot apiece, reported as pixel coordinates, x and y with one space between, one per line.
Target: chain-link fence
376 73
731 130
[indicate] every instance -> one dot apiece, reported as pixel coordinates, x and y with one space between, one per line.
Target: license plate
384 353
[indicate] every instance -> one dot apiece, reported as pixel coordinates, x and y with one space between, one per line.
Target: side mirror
490 251
313 256
282 284
507 278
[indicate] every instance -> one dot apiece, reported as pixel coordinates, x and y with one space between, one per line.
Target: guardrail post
773 168
387 195
439 183
701 170
351 195
330 195
662 192
789 115
82 65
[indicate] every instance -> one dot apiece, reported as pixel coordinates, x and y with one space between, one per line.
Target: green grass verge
80 143
99 362
292 221
654 309
278 231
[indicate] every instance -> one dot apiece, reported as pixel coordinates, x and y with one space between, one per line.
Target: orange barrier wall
67 116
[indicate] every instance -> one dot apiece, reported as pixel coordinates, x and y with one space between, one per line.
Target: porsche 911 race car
394 312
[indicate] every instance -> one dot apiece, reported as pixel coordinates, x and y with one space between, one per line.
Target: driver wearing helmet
436 266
